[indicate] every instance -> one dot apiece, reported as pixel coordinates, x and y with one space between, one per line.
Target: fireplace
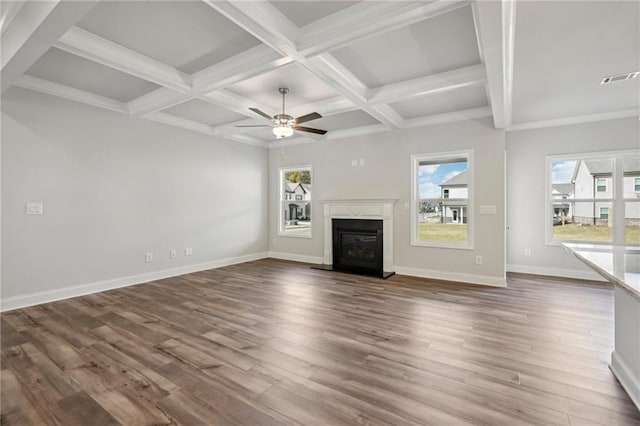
366 213
357 246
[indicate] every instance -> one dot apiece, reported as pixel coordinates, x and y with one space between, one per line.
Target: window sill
442 245
292 235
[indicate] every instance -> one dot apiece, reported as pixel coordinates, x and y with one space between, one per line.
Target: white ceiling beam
327 68
471 76
508 44
357 131
494 25
262 20
235 103
243 66
172 120
157 100
32 30
448 117
8 13
90 46
367 19
325 107
71 93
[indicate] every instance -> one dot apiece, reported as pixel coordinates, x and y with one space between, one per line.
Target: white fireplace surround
378 209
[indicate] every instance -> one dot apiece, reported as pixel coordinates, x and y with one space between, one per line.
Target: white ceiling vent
620 77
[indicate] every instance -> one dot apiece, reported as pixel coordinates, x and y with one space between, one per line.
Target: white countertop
618 264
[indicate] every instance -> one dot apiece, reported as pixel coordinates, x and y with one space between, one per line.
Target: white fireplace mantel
371 209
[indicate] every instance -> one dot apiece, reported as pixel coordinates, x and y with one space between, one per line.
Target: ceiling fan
284 124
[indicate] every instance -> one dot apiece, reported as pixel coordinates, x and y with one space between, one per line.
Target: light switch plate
34 208
488 209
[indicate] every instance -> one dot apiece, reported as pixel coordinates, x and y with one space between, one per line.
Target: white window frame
598 186
616 199
415 198
607 209
636 184
281 201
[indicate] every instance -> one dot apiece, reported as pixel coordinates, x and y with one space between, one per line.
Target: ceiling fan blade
310 130
255 125
308 117
264 114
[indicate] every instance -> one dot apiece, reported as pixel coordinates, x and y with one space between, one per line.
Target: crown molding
172 120
579 119
157 100
448 117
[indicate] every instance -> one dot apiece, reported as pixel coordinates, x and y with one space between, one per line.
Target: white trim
579 119
452 276
415 159
296 257
625 376
555 272
172 120
448 117
22 301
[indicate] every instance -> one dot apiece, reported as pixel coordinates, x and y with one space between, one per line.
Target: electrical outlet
148 257
188 251
34 208
361 162
478 260
173 254
527 252
354 163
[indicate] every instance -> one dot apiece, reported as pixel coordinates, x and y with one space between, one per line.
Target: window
295 201
592 198
441 190
636 185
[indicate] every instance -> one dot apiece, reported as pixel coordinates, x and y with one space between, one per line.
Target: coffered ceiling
366 66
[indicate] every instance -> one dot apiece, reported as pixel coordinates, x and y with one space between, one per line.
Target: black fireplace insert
357 246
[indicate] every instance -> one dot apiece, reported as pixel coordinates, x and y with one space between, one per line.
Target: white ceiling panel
458 100
346 120
436 45
302 13
204 112
303 86
188 35
557 71
70 70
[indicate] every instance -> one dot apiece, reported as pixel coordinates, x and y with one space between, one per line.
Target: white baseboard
451 276
555 272
296 257
626 377
22 301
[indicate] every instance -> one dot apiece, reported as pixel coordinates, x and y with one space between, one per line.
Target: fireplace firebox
357 246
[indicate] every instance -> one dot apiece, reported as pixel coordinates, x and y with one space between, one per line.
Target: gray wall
387 174
116 187
526 192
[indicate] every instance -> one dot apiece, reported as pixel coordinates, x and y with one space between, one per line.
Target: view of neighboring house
592 182
298 197
454 195
562 205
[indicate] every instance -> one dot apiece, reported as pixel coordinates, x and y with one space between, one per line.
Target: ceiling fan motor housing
284 120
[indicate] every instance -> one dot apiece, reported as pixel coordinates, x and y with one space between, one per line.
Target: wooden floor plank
273 342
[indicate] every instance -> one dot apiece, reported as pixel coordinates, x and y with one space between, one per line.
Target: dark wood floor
274 342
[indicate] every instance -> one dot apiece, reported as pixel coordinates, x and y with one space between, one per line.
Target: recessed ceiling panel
457 100
204 112
439 44
557 72
303 86
187 35
73 71
302 13
346 120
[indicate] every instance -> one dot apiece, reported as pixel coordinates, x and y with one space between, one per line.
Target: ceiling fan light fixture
282 131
